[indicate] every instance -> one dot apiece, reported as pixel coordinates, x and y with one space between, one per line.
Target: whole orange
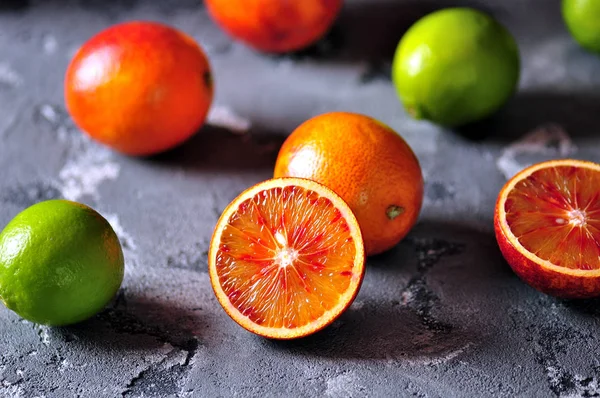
365 162
139 87
275 25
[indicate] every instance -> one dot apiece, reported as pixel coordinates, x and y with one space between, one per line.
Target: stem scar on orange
365 162
286 258
275 25
139 87
547 223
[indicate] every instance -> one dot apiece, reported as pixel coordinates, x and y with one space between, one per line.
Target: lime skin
582 18
455 66
60 263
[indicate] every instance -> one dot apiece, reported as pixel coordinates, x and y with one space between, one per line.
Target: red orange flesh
547 223
286 258
139 87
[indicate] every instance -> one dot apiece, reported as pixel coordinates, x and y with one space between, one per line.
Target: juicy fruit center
286 257
555 214
576 218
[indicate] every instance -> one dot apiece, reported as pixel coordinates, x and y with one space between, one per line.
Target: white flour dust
126 239
88 165
8 76
50 44
345 385
548 140
83 173
223 116
580 386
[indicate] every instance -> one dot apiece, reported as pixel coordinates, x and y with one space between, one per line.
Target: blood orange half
547 224
286 258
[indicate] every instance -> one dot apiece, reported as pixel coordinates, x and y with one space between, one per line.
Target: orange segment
548 226
286 258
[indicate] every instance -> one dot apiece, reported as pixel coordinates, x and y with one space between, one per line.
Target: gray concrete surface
440 315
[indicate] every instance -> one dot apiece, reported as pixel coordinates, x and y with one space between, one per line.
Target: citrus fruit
139 87
275 25
286 258
547 223
455 66
582 18
60 263
365 162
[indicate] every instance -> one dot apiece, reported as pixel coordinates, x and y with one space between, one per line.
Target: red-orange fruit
365 162
547 223
275 25
139 87
286 258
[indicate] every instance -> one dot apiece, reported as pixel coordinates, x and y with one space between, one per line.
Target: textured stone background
441 315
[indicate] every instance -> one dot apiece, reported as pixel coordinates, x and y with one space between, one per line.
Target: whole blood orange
365 162
275 25
139 87
547 223
286 258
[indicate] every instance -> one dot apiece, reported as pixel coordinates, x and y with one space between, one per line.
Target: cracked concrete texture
440 315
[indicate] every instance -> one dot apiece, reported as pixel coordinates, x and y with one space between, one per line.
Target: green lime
455 66
583 20
60 263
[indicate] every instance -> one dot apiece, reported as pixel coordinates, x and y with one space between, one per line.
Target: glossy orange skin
139 87
275 25
365 162
545 280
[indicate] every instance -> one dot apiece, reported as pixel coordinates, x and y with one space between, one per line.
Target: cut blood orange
286 258
547 223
